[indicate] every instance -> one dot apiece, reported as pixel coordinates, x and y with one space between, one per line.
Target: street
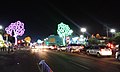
26 61
71 62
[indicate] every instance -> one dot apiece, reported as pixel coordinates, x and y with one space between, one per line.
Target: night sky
42 17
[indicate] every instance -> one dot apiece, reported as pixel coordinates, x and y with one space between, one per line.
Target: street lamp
1 27
112 31
83 30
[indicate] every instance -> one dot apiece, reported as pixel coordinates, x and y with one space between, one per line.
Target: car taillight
110 45
101 49
81 47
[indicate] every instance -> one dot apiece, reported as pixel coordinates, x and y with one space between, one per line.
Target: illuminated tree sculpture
63 31
27 40
16 28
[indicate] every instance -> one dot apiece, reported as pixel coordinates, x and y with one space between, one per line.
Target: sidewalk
6 61
18 61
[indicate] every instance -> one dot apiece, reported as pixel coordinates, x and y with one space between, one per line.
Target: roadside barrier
44 67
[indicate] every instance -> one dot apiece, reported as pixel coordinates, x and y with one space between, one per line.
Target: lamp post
83 30
112 31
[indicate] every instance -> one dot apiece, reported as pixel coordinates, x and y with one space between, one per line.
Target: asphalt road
26 61
18 61
71 62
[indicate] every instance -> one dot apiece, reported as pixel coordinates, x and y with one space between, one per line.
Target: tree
116 38
93 41
63 31
16 28
117 34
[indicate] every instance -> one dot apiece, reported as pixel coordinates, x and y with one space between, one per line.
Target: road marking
80 65
39 68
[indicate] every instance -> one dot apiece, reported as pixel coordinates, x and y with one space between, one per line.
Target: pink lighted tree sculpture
16 28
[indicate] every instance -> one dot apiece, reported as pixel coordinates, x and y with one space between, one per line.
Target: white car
99 51
117 55
61 48
75 47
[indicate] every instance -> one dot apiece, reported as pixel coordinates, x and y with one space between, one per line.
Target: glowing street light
112 30
83 30
1 27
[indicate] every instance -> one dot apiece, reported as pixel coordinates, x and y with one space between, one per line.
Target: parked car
117 54
75 47
85 48
100 50
61 48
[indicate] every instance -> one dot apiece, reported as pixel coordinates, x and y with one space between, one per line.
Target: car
117 54
61 48
53 47
85 48
100 50
75 47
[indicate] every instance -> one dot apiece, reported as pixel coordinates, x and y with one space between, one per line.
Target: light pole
112 31
107 32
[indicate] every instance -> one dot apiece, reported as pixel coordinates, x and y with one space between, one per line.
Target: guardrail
44 67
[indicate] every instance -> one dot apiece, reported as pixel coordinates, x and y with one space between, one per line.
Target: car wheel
98 55
118 57
88 53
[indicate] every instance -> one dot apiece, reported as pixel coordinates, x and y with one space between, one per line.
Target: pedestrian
9 48
0 48
4 47
12 48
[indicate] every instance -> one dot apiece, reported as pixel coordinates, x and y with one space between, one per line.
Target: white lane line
80 65
39 68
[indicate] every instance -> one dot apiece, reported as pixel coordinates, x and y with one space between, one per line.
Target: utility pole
107 32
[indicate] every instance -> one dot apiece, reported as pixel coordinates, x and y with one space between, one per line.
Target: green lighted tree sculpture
63 31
